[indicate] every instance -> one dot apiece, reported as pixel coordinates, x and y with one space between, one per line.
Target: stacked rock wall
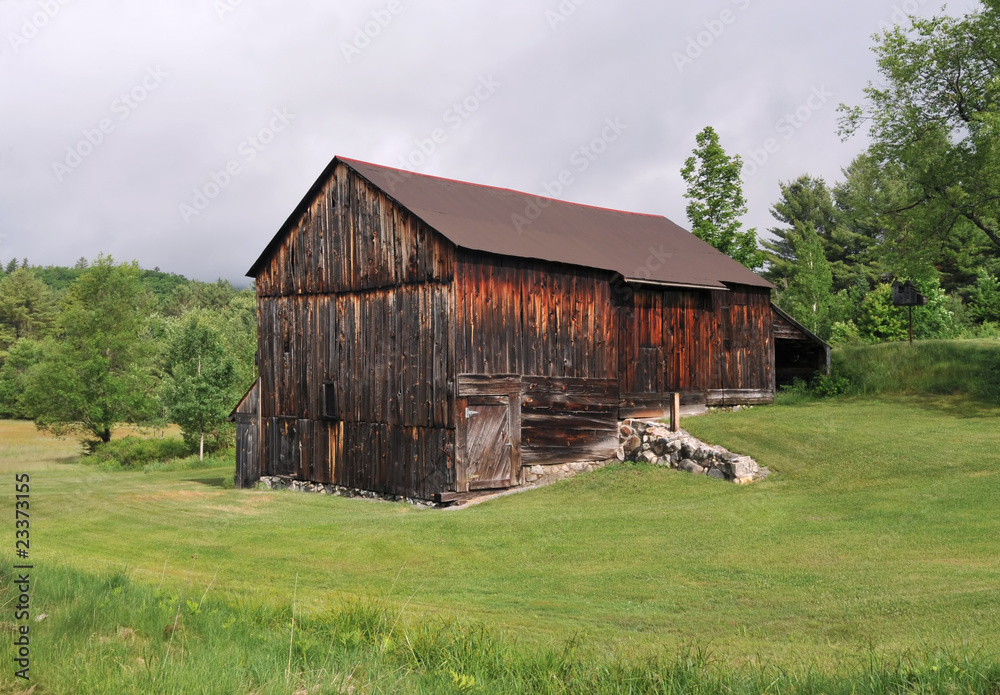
652 442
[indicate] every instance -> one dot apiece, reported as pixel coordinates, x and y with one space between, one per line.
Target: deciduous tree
200 388
97 372
934 116
808 295
714 188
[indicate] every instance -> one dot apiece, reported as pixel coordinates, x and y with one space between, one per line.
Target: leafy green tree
714 188
878 319
214 295
98 372
27 307
200 388
58 278
808 295
934 319
934 117
238 325
82 263
162 285
984 298
23 355
181 300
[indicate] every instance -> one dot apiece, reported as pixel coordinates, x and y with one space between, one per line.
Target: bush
136 452
826 385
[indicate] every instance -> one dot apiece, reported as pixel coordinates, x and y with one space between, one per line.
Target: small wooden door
488 446
247 454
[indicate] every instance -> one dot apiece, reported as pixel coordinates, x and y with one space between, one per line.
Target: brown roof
642 248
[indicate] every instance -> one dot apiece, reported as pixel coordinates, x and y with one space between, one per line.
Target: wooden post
911 324
675 412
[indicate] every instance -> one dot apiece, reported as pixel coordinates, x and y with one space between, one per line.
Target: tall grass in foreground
106 634
930 366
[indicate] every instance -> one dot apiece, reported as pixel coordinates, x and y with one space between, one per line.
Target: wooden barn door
488 451
247 453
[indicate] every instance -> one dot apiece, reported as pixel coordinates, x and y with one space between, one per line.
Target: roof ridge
406 172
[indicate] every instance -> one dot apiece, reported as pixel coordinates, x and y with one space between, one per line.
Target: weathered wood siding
568 419
355 348
709 345
248 449
354 237
783 328
554 327
385 353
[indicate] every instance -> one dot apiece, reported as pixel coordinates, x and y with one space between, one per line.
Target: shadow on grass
210 482
961 406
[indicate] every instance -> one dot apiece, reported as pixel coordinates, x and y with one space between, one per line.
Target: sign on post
906 294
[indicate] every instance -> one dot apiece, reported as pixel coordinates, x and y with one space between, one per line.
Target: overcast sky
182 133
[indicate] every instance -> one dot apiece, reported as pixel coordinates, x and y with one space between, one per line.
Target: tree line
87 348
921 203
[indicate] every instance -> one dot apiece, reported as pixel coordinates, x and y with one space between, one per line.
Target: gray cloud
117 115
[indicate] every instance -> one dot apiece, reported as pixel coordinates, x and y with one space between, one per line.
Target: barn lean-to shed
424 337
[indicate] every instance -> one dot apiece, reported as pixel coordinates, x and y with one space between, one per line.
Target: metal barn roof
642 248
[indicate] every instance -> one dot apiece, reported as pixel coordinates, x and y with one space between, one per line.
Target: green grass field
878 531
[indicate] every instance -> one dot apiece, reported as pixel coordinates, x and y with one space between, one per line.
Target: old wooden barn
423 337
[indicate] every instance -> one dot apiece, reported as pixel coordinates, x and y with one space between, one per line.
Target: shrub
825 385
136 452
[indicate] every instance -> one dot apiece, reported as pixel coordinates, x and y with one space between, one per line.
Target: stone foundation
275 482
652 442
646 441
543 475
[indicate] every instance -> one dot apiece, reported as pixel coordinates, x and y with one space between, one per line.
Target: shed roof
642 248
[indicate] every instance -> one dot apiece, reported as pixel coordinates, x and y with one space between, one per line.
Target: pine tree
806 200
27 307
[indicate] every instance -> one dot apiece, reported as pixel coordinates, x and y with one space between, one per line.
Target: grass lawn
879 528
